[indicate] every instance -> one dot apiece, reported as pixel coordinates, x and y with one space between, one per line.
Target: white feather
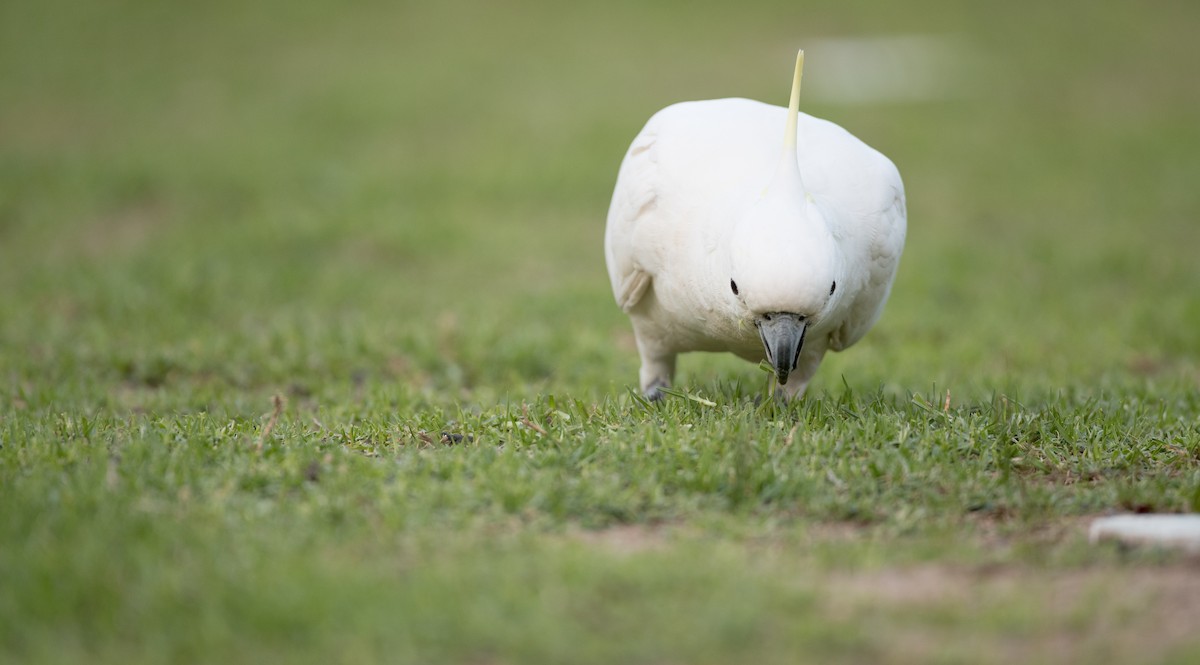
702 194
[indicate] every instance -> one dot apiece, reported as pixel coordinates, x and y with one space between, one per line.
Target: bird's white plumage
678 232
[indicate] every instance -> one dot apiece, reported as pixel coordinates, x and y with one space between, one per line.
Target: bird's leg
658 370
806 368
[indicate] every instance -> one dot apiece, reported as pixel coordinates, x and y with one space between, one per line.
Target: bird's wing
877 242
634 200
685 170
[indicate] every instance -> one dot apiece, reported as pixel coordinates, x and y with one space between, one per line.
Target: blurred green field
390 215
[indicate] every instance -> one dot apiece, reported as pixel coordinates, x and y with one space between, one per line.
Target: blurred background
230 197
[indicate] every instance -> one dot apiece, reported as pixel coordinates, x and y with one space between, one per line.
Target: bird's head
785 266
784 262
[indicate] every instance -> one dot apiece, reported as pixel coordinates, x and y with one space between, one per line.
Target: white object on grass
715 242
1182 531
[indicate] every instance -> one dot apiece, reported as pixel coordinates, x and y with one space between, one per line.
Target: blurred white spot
896 68
1167 530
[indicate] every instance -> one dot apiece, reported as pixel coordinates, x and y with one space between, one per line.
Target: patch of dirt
920 585
999 532
1015 614
624 539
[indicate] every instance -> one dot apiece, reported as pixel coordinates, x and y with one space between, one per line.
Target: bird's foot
653 392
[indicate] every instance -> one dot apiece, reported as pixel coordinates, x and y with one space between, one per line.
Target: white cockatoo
716 243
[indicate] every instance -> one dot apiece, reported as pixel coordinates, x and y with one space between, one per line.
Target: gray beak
782 337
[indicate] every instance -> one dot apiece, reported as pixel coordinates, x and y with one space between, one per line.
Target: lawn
308 353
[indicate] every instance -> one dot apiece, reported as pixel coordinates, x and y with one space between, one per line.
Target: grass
391 218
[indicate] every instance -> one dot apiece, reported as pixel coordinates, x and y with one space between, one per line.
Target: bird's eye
832 288
733 287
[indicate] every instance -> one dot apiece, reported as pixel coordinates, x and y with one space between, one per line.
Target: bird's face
784 269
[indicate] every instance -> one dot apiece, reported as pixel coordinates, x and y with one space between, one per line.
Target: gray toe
654 392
